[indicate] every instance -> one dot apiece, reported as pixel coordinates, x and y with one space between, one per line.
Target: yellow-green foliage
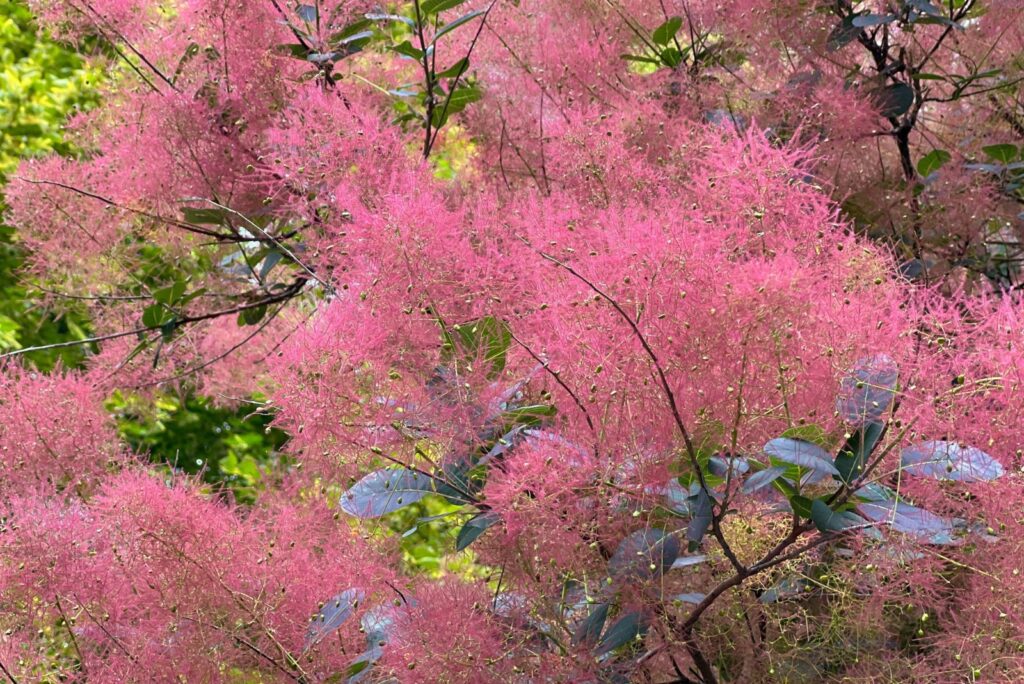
41 82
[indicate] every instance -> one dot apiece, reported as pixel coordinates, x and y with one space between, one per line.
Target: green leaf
191 51
408 49
814 434
356 28
154 315
1004 153
135 351
456 69
932 162
168 328
452 25
384 16
763 478
530 415
626 629
463 96
296 50
851 458
671 57
213 217
892 100
801 505
171 294
801 453
944 460
357 667
435 6
867 391
252 315
827 520
192 295
866 20
487 339
473 528
664 34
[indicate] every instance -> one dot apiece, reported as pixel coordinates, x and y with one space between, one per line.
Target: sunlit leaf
384 491
334 613
866 393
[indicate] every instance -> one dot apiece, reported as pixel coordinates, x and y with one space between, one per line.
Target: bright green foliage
233 447
41 83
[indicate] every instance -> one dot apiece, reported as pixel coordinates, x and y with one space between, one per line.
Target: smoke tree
697 323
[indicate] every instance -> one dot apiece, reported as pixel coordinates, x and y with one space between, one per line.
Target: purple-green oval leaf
334 613
384 491
644 554
950 461
626 629
763 478
801 453
866 393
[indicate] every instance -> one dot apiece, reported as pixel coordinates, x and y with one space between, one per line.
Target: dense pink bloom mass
622 320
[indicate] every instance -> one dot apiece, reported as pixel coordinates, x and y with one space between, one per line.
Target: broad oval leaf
334 613
473 528
384 491
800 505
827 520
893 100
664 34
1003 153
720 466
677 497
590 628
763 478
866 393
911 520
644 554
801 453
624 630
842 34
933 161
950 461
702 513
